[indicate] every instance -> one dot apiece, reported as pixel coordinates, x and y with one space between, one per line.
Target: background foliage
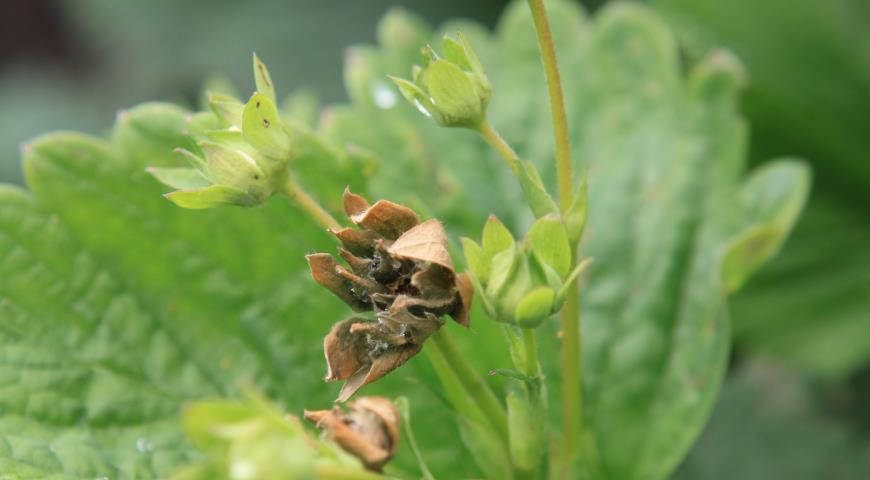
808 310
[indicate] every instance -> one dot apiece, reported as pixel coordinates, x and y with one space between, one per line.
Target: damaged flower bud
369 431
400 269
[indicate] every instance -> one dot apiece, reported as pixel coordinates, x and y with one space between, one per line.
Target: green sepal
536 194
575 216
562 293
262 79
455 52
201 122
227 108
209 197
263 129
233 167
475 259
481 294
548 241
193 159
535 307
179 178
496 237
504 264
415 96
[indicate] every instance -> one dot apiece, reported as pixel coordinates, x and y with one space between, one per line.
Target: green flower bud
452 90
241 155
522 283
229 172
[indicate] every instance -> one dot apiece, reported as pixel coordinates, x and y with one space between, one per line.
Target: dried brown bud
401 270
369 431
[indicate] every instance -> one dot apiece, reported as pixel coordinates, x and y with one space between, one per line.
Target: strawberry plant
581 217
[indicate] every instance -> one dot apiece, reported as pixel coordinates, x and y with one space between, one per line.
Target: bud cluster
522 283
240 153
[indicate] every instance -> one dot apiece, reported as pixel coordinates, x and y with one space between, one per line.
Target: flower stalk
308 204
570 319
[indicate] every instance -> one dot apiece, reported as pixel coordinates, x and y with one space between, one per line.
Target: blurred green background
797 401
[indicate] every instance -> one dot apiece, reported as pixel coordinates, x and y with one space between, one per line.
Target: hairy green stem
557 103
412 442
500 145
570 320
474 384
530 342
453 387
309 204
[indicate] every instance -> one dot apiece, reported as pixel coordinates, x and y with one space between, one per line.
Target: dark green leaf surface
809 67
767 426
123 307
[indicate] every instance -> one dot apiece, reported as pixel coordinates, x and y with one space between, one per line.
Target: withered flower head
369 431
401 270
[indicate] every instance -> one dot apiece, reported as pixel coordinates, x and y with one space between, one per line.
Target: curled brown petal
426 242
411 328
369 431
388 361
352 289
353 204
434 281
386 218
462 314
346 352
358 242
360 266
